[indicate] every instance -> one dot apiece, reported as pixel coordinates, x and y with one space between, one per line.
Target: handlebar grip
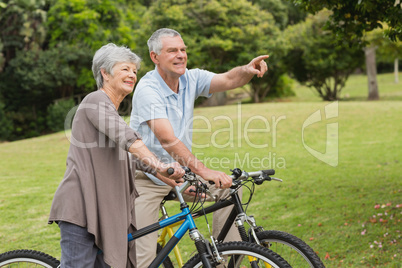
269 172
170 171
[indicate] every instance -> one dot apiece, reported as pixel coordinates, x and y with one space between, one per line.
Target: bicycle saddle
170 196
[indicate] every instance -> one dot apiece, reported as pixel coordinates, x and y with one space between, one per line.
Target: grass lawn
349 211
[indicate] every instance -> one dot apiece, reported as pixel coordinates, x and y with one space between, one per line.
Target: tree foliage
83 26
21 27
387 51
317 61
47 49
220 34
92 23
351 19
46 46
6 125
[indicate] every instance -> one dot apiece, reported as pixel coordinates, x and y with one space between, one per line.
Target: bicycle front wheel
27 259
242 254
294 250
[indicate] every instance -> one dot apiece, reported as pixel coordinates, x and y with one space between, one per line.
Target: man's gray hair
155 41
106 58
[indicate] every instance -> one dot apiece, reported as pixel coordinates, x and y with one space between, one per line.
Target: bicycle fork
239 222
205 249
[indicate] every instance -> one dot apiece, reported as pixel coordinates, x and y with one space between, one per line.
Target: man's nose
181 54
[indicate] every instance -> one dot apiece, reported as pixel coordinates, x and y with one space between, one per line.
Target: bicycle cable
251 191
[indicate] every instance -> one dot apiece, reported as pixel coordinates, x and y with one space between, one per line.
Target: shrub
6 125
57 112
283 88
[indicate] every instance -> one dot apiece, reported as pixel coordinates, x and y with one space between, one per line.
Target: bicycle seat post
163 211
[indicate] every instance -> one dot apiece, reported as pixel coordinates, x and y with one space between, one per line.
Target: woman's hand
176 175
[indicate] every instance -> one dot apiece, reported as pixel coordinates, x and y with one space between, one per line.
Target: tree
86 25
387 50
284 12
6 125
316 60
46 51
277 8
33 80
93 23
22 27
371 69
219 34
351 19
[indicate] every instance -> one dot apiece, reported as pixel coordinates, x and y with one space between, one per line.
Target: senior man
164 102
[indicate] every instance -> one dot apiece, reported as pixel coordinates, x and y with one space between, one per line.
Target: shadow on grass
382 98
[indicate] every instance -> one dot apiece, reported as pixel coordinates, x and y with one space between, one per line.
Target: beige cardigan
97 191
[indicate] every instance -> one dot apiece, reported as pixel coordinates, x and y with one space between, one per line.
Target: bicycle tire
240 251
294 250
167 263
27 258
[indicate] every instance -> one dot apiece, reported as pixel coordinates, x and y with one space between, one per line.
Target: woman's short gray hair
106 58
155 41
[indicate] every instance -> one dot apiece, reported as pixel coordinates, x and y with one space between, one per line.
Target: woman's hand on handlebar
167 169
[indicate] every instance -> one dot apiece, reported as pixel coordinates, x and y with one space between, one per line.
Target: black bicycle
294 250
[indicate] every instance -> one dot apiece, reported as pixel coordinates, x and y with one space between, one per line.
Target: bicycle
294 250
236 254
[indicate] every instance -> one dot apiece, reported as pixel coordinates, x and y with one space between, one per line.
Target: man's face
173 57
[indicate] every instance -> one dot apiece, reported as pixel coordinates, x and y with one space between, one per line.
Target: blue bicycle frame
188 224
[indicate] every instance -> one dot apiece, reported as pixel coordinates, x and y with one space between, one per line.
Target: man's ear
154 57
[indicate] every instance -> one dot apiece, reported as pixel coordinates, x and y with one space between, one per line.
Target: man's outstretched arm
239 76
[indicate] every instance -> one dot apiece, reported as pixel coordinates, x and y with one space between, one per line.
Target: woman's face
123 79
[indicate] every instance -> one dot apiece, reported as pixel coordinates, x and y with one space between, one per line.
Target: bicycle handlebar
170 171
237 176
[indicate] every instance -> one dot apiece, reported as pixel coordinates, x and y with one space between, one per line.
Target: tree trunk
217 99
256 98
396 70
371 73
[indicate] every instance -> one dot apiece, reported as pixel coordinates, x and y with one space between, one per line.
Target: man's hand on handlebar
191 191
221 179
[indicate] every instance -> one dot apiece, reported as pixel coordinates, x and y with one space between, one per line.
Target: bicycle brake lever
276 179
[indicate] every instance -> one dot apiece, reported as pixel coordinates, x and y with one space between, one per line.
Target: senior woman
94 203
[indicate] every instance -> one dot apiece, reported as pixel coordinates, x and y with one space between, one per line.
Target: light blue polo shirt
153 99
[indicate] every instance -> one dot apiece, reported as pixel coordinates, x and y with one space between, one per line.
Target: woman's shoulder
96 97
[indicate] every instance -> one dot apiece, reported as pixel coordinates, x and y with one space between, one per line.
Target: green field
350 212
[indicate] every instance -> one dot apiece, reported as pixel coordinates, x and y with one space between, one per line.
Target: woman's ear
105 75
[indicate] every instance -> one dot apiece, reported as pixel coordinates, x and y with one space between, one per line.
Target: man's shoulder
147 83
198 74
